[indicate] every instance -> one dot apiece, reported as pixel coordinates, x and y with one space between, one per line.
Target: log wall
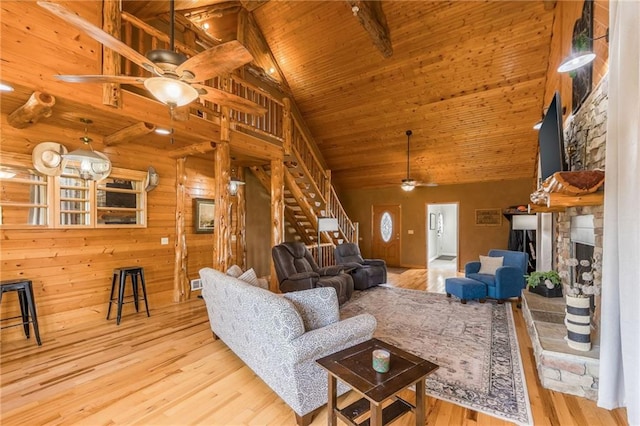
71 269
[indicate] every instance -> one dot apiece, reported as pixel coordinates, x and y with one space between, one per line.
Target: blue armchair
508 280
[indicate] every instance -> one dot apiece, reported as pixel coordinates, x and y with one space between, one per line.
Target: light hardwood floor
167 370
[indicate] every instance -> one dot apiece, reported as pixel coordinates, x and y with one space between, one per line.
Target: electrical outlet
196 284
164 241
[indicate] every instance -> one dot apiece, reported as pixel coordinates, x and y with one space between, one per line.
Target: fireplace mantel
568 189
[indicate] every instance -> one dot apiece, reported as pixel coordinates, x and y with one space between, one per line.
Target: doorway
442 241
385 242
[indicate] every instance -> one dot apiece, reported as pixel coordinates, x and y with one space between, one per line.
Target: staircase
308 191
309 195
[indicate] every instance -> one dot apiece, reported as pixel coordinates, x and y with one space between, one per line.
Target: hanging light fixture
234 183
580 58
408 184
87 163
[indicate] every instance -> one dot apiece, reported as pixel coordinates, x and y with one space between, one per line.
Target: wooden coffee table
353 366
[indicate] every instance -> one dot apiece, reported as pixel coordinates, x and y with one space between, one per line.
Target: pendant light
85 162
408 184
582 57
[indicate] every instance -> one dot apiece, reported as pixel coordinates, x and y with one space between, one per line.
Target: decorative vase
578 323
545 291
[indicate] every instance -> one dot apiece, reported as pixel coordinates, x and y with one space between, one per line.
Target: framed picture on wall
488 217
203 210
432 221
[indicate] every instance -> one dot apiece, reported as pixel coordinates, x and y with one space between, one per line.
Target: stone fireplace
577 233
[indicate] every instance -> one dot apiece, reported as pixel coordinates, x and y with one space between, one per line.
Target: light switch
410 232
164 241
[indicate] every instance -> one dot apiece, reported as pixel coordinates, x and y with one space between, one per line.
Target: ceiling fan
177 80
409 184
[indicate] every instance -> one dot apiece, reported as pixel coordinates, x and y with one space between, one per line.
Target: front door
385 243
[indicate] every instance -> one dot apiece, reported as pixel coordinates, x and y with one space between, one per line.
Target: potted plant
547 284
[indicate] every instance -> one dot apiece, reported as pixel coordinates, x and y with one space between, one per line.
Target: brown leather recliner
297 270
365 272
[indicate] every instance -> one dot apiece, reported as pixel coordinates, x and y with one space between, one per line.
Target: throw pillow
250 277
234 271
489 265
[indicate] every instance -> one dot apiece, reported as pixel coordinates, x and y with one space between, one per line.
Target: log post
181 288
110 59
241 247
287 127
277 214
222 166
40 105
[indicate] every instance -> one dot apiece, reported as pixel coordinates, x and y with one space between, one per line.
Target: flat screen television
551 140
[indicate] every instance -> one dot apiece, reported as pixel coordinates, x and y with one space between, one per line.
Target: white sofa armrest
327 340
318 307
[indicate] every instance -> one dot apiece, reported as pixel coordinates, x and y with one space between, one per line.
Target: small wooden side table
353 366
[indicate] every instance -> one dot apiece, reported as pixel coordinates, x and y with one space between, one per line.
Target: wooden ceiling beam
372 18
128 133
197 148
39 105
252 5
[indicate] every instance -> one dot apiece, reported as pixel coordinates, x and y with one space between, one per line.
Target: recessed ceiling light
272 70
5 88
205 26
161 131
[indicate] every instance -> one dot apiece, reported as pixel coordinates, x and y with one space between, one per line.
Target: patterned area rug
475 346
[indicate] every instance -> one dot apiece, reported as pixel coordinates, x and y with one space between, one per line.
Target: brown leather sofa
297 270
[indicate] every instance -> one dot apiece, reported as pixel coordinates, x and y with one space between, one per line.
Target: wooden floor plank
168 370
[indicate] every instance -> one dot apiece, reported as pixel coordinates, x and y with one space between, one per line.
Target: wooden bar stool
27 305
120 276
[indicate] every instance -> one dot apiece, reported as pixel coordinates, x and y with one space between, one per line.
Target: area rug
475 346
445 257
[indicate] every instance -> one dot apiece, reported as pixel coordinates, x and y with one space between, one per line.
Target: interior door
386 243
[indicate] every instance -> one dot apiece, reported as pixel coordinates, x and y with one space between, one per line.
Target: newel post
277 214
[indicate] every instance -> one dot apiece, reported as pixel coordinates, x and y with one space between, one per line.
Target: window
30 199
386 227
120 201
23 194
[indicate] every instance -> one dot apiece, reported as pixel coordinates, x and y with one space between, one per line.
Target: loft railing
143 37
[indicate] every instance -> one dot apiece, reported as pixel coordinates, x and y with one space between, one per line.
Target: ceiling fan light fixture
408 185
171 91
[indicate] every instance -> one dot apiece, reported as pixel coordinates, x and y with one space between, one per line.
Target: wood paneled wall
71 269
472 240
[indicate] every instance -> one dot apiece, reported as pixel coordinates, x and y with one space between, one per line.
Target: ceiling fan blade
122 79
216 60
103 37
229 99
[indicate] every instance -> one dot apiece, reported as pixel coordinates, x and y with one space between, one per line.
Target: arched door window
386 227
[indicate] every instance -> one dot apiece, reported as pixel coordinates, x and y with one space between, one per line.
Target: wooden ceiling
466 77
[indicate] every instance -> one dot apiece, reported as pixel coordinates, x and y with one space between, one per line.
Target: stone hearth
560 368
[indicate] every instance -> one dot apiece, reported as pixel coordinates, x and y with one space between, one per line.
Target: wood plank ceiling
466 77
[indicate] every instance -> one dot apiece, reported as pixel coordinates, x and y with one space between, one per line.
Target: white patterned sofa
280 336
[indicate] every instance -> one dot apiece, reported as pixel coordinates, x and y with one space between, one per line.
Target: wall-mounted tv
551 140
